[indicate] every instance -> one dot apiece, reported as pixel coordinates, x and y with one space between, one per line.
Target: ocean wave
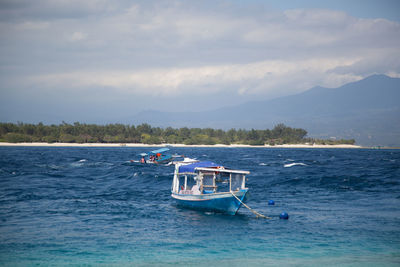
109 205
294 164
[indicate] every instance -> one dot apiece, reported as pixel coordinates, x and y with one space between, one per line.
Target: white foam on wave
54 167
76 164
262 164
294 164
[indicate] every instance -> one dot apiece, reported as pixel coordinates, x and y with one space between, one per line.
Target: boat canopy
161 150
191 168
222 170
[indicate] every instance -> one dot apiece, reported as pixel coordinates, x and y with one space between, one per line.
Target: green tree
17 138
119 133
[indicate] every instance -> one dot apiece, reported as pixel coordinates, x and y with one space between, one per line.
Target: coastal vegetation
145 133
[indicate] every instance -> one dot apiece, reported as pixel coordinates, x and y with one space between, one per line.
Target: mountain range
367 111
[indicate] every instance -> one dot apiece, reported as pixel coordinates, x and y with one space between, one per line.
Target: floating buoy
271 202
284 216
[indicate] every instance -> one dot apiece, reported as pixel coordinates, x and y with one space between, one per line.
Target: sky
99 61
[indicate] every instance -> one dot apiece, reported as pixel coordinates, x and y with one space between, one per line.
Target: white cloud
262 78
32 25
318 17
157 48
77 36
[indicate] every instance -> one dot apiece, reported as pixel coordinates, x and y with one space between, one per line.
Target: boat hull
219 202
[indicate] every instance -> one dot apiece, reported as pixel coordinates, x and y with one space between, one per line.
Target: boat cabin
156 156
207 178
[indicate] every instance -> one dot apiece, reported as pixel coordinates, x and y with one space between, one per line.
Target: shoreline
173 145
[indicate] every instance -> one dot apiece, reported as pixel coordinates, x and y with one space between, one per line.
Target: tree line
145 133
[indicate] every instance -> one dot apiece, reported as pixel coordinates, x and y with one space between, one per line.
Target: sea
87 206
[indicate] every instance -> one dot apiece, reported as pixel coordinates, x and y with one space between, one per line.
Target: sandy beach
172 145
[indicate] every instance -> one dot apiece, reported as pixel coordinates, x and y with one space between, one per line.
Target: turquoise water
92 206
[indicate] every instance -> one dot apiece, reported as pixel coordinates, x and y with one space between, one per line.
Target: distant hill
367 110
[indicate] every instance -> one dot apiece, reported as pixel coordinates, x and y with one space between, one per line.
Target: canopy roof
161 150
190 168
222 170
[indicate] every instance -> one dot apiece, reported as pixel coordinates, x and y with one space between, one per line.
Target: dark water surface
91 206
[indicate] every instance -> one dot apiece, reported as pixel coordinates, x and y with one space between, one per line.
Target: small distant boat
158 156
208 186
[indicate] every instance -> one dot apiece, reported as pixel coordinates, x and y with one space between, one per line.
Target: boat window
208 179
208 183
181 181
237 181
190 181
222 181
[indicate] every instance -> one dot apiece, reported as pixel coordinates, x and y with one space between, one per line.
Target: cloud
251 78
77 36
19 10
32 25
180 48
388 63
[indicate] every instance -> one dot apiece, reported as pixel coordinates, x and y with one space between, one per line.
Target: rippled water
92 206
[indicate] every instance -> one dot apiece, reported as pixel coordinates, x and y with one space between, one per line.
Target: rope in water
253 211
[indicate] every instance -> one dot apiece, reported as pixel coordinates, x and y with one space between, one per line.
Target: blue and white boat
158 156
208 186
